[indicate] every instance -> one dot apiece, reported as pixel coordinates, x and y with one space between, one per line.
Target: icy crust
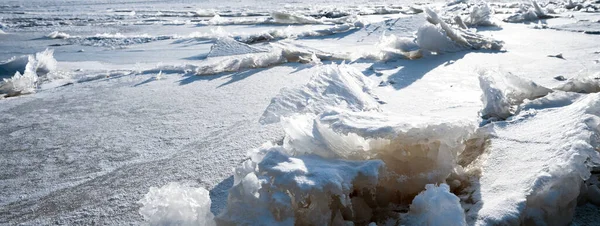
176 204
27 71
550 159
341 86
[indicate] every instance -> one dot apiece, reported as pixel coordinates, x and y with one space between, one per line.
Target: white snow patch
176 204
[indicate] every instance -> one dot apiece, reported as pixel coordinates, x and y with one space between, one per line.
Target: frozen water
369 113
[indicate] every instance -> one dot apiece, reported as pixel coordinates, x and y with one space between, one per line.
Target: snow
551 160
286 190
58 35
176 204
502 92
226 46
25 80
299 112
333 85
436 206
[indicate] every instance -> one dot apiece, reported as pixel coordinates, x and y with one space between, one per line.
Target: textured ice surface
550 144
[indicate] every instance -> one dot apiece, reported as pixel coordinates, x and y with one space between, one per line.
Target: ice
433 38
226 46
503 92
481 15
585 83
177 204
528 13
58 35
27 70
288 190
20 83
439 36
332 86
403 155
550 159
436 206
15 64
292 18
370 111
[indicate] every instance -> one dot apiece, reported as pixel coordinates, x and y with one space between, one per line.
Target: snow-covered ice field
181 112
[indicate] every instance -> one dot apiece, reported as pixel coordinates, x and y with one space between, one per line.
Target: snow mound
226 46
502 93
176 204
26 70
551 145
436 206
58 35
341 86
